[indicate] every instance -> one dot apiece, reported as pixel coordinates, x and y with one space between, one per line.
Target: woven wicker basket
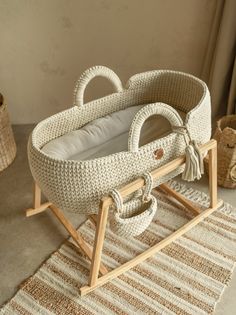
78 185
225 135
7 142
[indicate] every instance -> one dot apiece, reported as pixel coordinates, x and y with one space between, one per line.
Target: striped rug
187 277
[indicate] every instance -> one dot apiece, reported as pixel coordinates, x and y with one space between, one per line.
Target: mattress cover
105 136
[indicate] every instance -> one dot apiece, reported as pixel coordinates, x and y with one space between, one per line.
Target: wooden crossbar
185 202
39 209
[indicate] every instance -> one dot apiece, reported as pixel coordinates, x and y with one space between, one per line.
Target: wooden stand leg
213 175
38 207
98 243
76 236
37 196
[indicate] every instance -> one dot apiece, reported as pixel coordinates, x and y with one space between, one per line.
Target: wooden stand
100 220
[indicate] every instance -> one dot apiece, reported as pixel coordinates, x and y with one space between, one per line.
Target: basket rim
152 208
130 86
225 119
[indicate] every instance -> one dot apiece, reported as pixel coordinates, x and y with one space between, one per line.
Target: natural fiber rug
187 277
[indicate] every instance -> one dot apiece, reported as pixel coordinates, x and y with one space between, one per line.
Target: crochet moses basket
82 153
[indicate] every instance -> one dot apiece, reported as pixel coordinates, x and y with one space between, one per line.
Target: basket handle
88 75
143 114
148 186
118 200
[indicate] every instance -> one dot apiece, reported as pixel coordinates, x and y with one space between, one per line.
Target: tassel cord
194 167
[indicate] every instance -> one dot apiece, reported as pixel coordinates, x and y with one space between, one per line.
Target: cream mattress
106 135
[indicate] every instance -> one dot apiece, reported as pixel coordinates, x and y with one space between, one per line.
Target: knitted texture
134 216
77 186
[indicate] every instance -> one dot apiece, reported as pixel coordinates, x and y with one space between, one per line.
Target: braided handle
88 75
118 200
148 186
143 114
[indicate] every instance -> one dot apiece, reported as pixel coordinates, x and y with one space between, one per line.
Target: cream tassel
192 164
199 154
194 167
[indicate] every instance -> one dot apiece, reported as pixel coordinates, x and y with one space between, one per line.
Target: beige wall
46 44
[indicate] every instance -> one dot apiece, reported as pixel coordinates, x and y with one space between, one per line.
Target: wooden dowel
37 196
149 252
75 235
98 243
41 208
213 176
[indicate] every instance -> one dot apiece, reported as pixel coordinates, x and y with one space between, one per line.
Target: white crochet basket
78 185
134 216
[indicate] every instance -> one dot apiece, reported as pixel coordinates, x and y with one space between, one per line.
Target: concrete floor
25 243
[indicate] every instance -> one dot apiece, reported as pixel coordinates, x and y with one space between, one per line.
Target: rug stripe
18 308
212 247
208 251
112 255
172 289
175 271
178 214
52 299
223 216
71 281
122 293
163 292
122 259
119 258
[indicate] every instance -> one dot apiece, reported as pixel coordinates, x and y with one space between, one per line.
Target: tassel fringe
200 157
194 167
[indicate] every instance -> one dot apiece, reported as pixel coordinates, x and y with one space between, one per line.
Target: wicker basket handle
88 75
143 114
118 200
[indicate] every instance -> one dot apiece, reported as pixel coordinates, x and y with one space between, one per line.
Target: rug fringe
200 197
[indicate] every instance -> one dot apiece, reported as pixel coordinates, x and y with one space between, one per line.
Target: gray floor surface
25 243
